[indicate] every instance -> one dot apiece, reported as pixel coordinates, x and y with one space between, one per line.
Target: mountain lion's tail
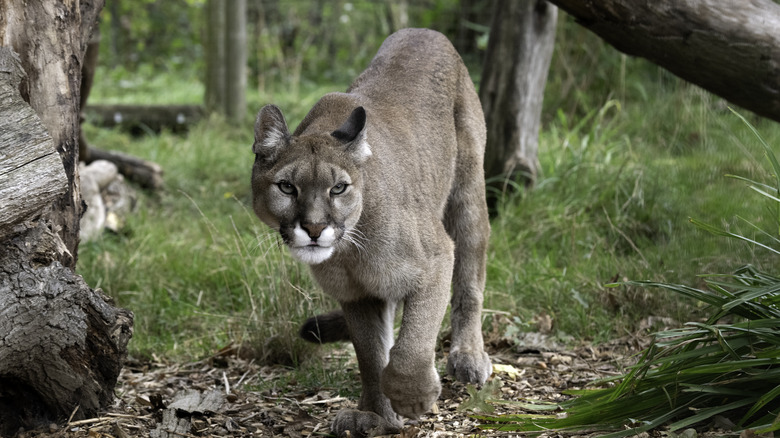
328 327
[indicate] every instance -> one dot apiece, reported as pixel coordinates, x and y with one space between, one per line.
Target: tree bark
51 39
522 36
61 343
729 48
31 172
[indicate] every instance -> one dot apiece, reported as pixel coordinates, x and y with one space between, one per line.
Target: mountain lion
381 190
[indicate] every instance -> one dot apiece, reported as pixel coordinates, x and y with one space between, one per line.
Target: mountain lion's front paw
411 395
469 366
363 424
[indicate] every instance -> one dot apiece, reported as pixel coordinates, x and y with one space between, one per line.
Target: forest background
628 154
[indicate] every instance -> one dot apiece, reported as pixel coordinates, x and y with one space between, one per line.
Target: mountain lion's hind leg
466 220
370 324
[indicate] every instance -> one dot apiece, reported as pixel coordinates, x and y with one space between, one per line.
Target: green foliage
728 365
612 202
164 34
308 41
289 43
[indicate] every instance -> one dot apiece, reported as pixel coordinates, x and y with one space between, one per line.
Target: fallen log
141 119
146 173
731 49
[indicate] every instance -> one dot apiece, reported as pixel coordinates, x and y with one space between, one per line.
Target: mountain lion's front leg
410 379
370 324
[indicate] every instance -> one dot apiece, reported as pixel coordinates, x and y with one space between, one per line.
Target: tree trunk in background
397 14
215 56
235 62
522 36
61 343
226 57
729 48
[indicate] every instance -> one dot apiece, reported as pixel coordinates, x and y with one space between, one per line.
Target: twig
322 402
248 417
73 413
90 421
227 384
108 418
134 417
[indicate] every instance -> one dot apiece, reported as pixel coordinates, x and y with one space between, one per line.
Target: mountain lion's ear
353 134
271 132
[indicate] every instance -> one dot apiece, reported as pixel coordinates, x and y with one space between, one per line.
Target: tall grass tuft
728 365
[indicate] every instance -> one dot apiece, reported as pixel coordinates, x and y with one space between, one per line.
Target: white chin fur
311 255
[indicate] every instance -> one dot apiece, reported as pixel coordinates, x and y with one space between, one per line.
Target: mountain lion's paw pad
469 366
362 424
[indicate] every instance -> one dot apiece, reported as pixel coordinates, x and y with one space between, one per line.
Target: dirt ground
226 395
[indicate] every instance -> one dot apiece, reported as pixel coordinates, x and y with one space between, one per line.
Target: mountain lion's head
308 187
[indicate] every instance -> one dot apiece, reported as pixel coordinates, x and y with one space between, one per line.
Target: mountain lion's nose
314 230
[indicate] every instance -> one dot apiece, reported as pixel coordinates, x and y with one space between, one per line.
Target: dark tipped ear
271 132
352 127
353 133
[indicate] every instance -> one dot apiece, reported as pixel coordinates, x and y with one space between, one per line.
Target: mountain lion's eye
287 188
338 189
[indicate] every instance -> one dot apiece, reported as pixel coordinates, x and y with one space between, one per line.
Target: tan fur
407 139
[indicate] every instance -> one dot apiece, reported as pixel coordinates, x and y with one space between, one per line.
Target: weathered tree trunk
522 36
61 343
51 38
729 48
31 172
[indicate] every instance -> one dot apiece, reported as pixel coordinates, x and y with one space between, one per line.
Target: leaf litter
227 395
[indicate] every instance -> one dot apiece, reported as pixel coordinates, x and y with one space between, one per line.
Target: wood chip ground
220 396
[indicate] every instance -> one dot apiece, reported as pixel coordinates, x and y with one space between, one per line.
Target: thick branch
730 49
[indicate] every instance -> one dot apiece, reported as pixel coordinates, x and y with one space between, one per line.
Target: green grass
613 202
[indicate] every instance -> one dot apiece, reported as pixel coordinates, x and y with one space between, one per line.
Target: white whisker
356 238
